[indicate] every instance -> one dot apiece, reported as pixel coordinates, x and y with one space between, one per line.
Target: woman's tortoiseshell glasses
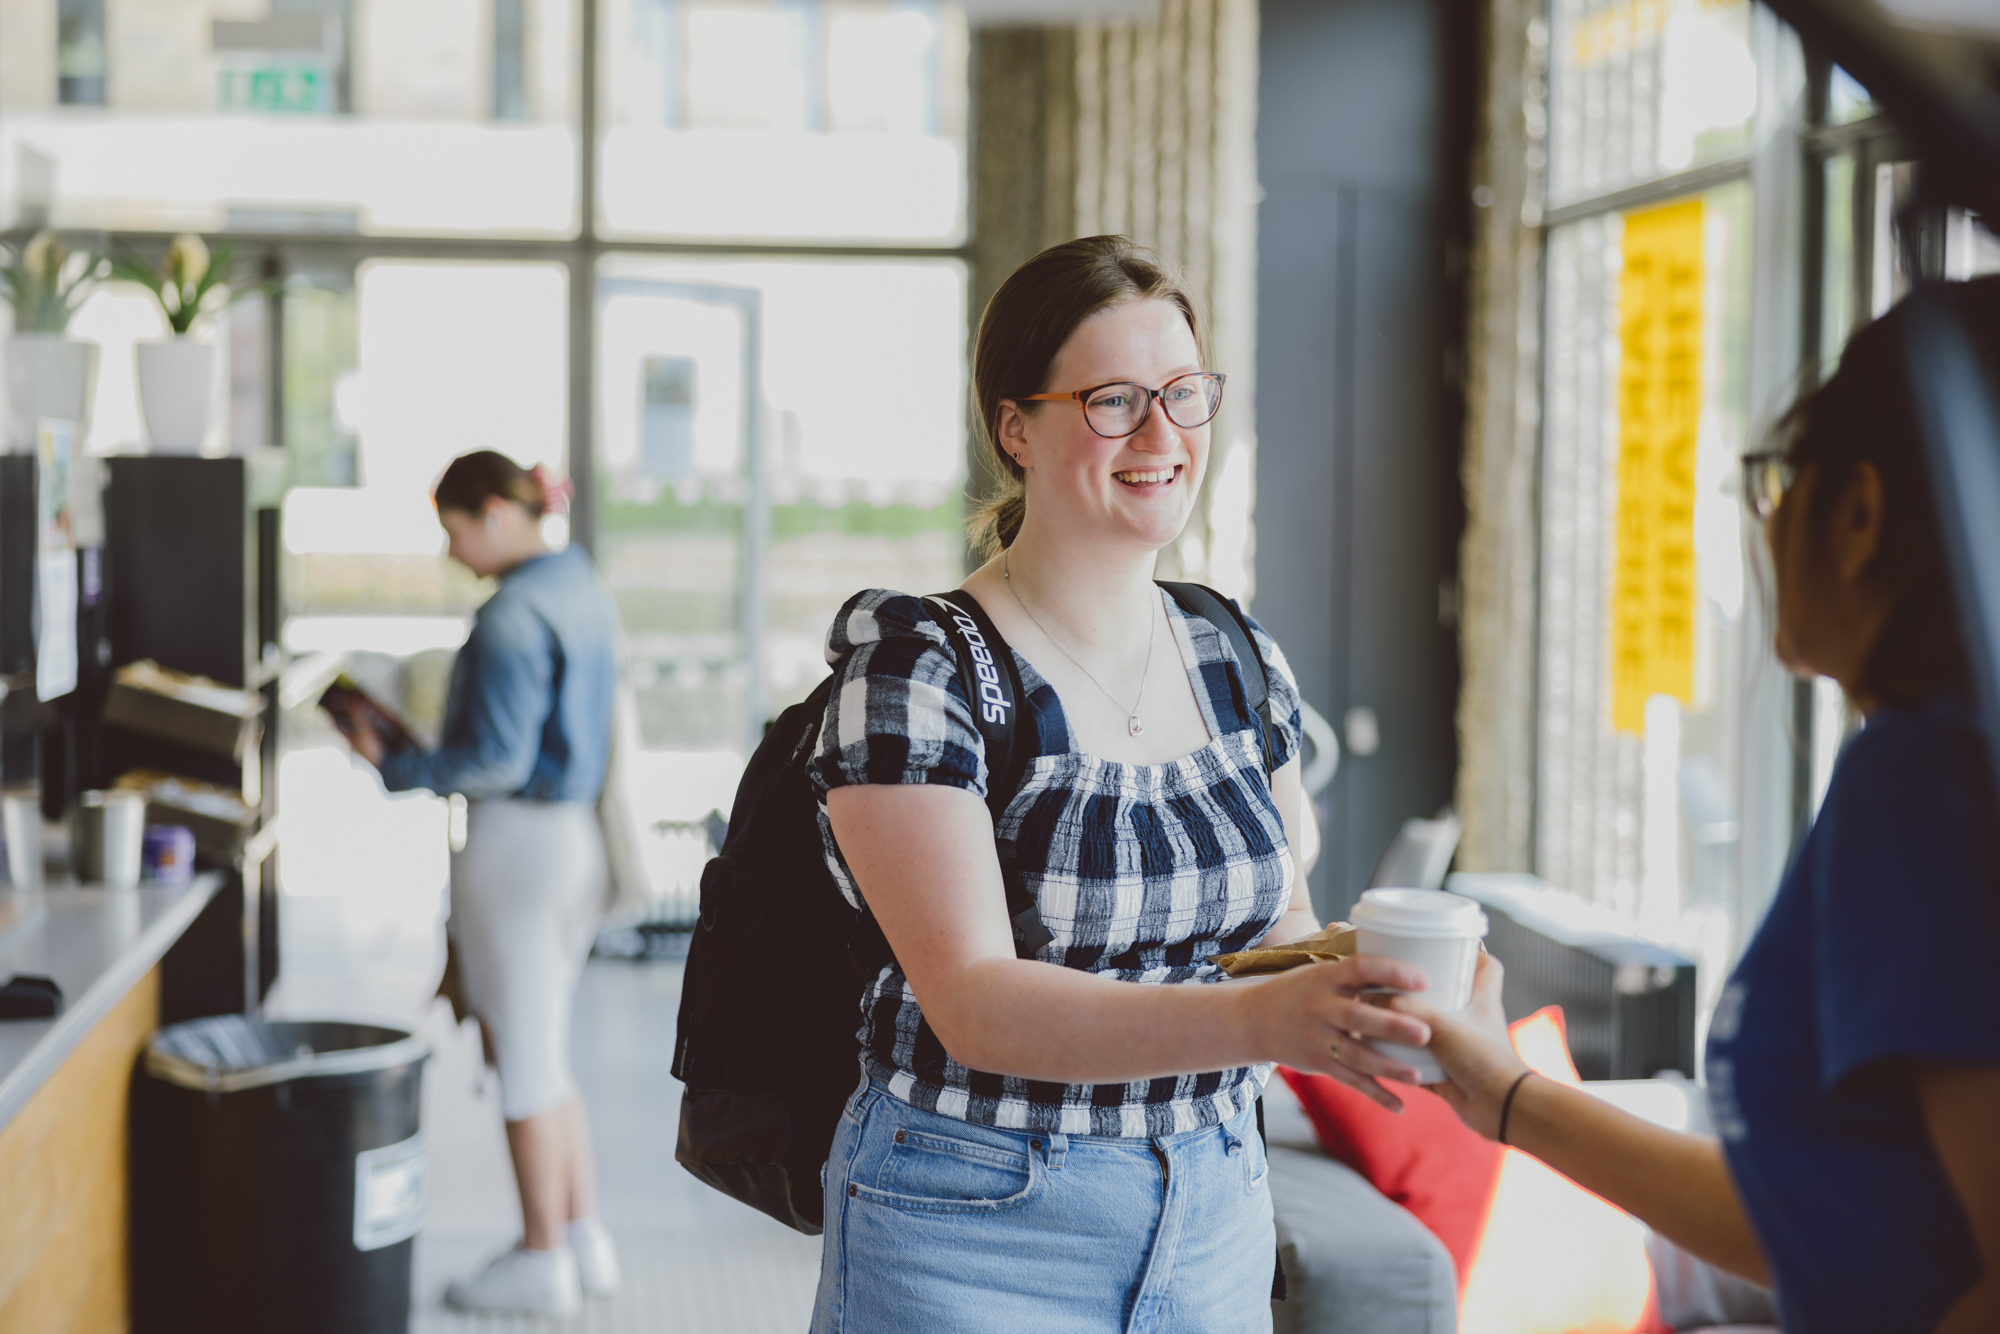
1119 409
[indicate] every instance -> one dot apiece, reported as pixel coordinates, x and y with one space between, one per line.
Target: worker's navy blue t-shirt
1881 951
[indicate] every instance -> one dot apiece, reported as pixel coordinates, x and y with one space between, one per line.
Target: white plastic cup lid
1424 913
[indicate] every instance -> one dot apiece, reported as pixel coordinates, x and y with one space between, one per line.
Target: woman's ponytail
997 523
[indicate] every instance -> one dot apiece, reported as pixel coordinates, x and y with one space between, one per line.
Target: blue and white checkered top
1141 871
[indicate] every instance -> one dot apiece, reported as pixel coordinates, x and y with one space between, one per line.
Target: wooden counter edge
63 1233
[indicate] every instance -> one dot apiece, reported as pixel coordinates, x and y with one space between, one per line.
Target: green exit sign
297 87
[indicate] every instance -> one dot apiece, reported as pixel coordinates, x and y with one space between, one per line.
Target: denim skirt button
852 1191
1034 1144
899 1137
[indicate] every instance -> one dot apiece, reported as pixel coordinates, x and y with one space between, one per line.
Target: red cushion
1558 1258
1424 1159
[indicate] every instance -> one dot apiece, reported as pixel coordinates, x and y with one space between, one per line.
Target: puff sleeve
898 711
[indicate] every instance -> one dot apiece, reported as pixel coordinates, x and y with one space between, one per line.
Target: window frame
277 254
1793 138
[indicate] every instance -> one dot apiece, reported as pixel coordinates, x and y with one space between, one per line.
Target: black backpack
771 1000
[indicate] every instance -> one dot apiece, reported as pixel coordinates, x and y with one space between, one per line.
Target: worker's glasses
1117 410
1767 475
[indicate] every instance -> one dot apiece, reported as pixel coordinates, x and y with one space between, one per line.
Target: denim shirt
529 713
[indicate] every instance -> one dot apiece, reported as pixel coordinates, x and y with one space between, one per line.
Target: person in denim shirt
529 713
526 740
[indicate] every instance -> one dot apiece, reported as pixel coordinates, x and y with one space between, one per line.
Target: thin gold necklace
1133 727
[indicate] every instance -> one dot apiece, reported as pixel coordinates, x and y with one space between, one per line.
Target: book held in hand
353 708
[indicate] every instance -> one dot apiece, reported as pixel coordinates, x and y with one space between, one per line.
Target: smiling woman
1033 1103
1029 326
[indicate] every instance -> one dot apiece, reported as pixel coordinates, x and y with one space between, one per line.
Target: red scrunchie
556 491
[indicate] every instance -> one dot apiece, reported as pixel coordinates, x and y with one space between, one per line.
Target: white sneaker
596 1257
537 1282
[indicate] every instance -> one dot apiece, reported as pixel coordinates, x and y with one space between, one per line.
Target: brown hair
473 479
1026 324
1865 413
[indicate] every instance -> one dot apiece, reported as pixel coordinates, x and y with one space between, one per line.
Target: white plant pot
177 394
48 375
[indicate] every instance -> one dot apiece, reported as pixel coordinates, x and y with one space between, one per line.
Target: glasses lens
1753 487
1192 400
1765 477
1116 409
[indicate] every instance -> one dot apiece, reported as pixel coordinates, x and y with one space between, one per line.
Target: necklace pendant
1133 727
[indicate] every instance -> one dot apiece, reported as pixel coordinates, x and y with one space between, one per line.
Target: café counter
64 1091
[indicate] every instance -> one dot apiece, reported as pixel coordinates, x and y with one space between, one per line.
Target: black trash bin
277 1178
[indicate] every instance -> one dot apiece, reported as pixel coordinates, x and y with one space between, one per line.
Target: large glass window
313 116
1660 708
1647 573
448 357
754 438
842 120
755 472
1637 801
1644 88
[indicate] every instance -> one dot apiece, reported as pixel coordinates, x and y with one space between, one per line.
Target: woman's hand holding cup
1315 1018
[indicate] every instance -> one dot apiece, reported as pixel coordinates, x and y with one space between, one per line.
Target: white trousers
526 894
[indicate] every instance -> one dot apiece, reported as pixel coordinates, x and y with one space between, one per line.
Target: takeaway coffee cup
110 837
1435 931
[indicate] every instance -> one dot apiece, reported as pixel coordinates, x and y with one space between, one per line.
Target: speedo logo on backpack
992 702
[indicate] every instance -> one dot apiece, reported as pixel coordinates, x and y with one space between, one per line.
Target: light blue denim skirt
937 1224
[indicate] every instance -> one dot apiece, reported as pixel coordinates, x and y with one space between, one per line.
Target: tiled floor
363 942
694 1260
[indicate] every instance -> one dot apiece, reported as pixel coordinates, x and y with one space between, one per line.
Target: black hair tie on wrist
1507 1103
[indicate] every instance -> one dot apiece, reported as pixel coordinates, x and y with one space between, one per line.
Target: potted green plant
48 374
179 379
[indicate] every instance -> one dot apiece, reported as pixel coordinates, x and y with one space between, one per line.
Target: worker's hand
1471 1046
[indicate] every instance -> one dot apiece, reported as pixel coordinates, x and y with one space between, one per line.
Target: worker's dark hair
1026 323
1866 413
474 478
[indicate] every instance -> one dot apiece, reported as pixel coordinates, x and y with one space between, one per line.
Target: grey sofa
1355 1261
1359 1263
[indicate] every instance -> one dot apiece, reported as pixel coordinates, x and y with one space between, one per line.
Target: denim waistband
872 1097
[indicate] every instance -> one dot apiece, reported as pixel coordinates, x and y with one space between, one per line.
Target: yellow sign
1659 418
1619 27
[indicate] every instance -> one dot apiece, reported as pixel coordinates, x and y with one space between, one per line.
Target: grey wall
1362 116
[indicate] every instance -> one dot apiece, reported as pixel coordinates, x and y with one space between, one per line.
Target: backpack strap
1223 613
993 689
